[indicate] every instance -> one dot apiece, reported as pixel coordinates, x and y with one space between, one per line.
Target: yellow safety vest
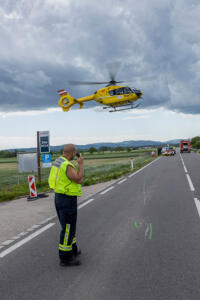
58 180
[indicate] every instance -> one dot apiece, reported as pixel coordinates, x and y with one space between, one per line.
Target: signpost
43 146
38 155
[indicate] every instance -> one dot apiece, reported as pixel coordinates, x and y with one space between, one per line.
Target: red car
171 149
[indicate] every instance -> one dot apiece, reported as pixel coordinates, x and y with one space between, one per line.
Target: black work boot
76 252
70 262
68 259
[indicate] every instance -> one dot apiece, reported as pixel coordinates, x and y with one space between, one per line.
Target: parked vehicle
166 151
185 146
172 149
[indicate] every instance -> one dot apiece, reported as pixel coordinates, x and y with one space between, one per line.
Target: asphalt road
140 240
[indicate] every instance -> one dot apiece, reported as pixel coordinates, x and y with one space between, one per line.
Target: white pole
132 166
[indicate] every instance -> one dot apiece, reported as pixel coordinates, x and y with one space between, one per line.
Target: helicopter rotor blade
94 82
87 82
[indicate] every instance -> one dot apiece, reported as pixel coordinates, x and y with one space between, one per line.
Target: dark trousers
66 207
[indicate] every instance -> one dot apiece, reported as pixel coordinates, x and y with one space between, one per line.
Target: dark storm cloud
44 44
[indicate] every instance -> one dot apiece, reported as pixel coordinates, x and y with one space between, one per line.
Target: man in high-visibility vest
65 180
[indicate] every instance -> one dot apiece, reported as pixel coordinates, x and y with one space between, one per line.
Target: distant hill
132 144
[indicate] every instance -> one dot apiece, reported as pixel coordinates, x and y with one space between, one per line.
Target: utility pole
38 156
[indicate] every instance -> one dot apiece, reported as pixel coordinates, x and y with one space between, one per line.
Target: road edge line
25 240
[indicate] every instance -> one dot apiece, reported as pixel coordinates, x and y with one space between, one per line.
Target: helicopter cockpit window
112 93
127 90
119 91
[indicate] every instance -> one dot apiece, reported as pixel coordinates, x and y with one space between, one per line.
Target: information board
27 162
44 142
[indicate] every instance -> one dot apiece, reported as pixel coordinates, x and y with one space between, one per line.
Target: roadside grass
94 172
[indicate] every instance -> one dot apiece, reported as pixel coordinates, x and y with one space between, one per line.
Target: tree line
7 154
195 142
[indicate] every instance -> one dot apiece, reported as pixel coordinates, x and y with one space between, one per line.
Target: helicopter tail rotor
66 101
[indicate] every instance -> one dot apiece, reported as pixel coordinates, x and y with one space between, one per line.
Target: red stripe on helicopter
62 92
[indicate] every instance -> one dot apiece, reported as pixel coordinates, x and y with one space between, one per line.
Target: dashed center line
22 234
190 183
121 181
192 188
85 203
6 243
188 176
197 202
28 238
15 238
104 192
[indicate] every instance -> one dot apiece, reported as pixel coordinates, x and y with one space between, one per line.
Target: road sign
46 160
44 142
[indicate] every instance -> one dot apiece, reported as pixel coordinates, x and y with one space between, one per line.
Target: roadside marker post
32 188
132 165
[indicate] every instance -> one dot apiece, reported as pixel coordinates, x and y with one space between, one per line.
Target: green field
98 167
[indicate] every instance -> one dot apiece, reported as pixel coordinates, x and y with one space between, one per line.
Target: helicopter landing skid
128 106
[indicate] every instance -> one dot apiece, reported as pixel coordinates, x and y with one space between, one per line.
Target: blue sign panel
46 160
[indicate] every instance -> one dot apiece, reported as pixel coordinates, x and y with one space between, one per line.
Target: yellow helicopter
113 96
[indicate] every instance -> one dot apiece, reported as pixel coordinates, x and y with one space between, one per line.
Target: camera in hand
77 155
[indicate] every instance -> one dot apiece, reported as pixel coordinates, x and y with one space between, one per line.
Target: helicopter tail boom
66 101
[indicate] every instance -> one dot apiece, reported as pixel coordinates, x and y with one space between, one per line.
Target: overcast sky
46 43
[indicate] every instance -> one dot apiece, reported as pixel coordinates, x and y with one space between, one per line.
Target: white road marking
197 202
187 175
190 183
53 217
30 229
43 222
143 167
85 203
15 238
110 188
1 247
35 226
25 240
6 243
47 220
22 234
122 181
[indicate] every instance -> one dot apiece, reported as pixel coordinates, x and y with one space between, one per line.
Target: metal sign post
38 155
43 146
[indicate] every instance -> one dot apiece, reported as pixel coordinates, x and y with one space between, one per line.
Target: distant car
172 150
166 151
